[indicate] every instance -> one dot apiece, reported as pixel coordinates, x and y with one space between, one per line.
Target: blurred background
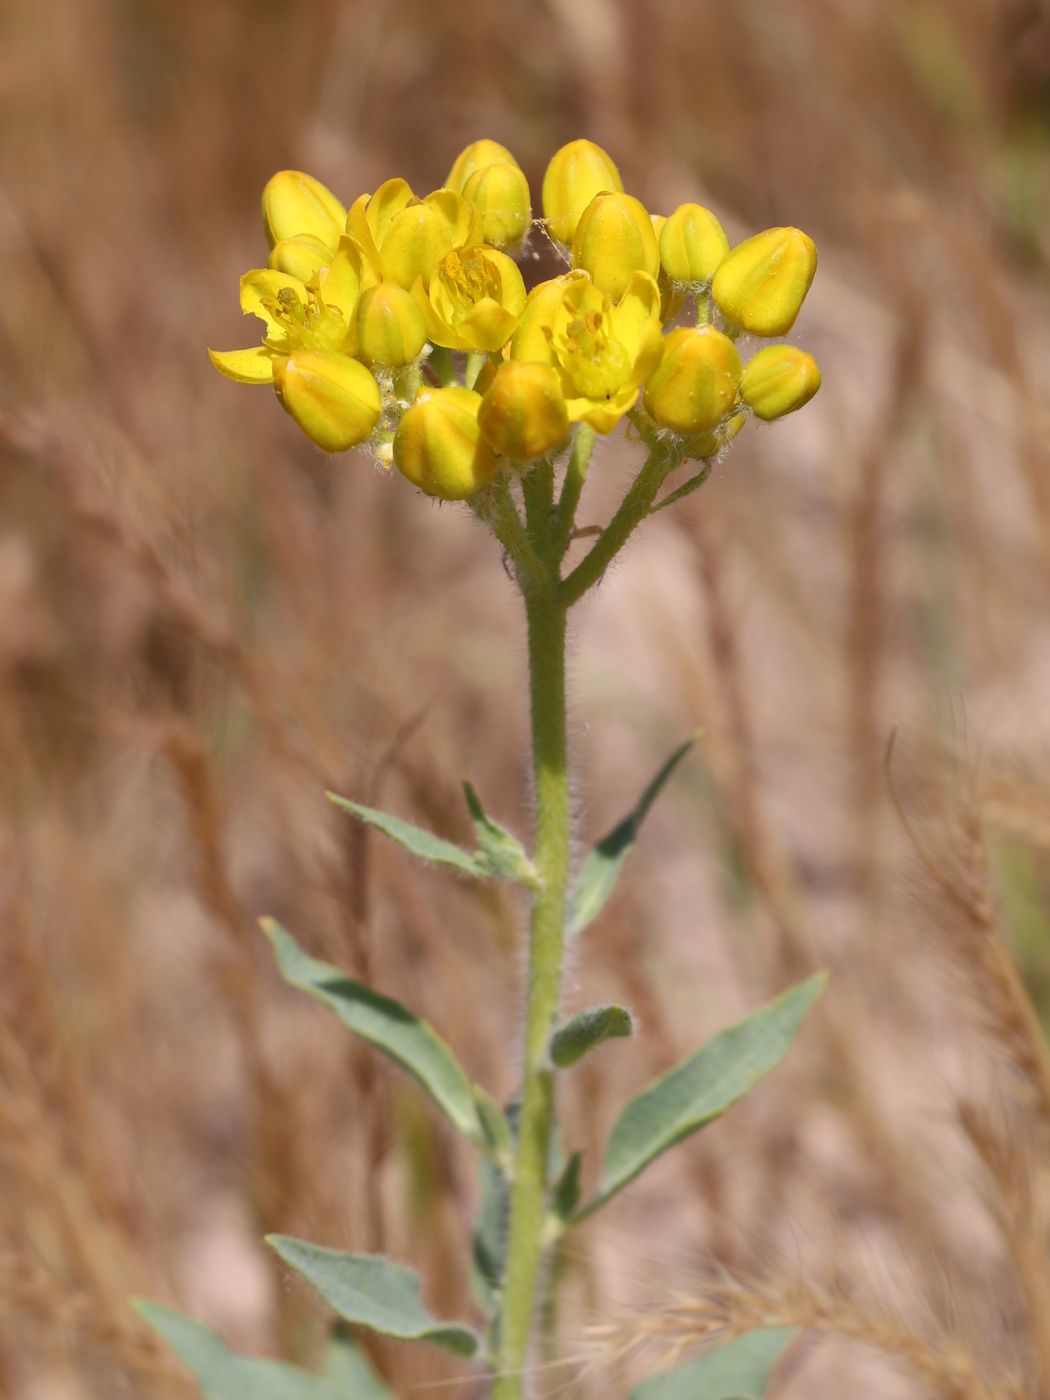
204 623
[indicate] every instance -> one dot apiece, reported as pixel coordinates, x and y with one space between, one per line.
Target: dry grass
203 624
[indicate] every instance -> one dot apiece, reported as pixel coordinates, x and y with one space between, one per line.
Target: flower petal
263 284
254 366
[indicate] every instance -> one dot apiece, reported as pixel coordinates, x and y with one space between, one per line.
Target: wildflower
761 284
296 315
602 351
438 445
614 239
575 174
473 158
696 381
295 203
332 397
474 299
402 237
692 244
500 194
389 326
523 413
779 380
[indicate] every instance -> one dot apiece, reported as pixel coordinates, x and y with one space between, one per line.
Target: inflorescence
404 325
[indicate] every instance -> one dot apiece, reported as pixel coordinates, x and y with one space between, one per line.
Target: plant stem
633 509
575 475
546 616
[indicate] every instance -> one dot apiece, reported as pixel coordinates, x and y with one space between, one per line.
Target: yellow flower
692 244
303 256
332 397
761 284
500 194
402 237
473 158
294 203
779 380
614 239
390 329
696 381
575 174
523 413
474 299
602 351
438 445
296 315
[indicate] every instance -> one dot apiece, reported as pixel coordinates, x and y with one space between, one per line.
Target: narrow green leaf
350 1371
410 1042
374 1292
223 1375
740 1370
586 1030
499 853
701 1088
421 843
495 1128
601 869
490 1238
566 1194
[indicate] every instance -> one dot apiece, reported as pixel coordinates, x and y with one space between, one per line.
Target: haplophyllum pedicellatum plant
403 326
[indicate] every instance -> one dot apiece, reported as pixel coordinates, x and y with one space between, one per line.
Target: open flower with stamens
474 299
297 315
603 351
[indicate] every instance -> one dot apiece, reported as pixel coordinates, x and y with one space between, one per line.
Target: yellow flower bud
576 173
692 244
761 285
614 239
475 157
779 380
439 447
695 384
523 413
333 398
301 256
294 202
389 326
500 193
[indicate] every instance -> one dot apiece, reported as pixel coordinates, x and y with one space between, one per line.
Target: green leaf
223 1375
490 1237
700 1088
421 843
499 853
586 1030
738 1371
601 869
494 1126
566 1194
374 1292
410 1042
350 1371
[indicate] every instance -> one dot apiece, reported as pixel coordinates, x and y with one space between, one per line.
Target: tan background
203 624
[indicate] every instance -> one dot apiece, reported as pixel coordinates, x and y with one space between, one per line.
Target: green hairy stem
547 602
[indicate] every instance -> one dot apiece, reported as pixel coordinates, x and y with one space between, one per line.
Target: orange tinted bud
438 445
695 384
523 413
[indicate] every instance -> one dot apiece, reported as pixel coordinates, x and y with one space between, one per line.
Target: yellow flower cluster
404 323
